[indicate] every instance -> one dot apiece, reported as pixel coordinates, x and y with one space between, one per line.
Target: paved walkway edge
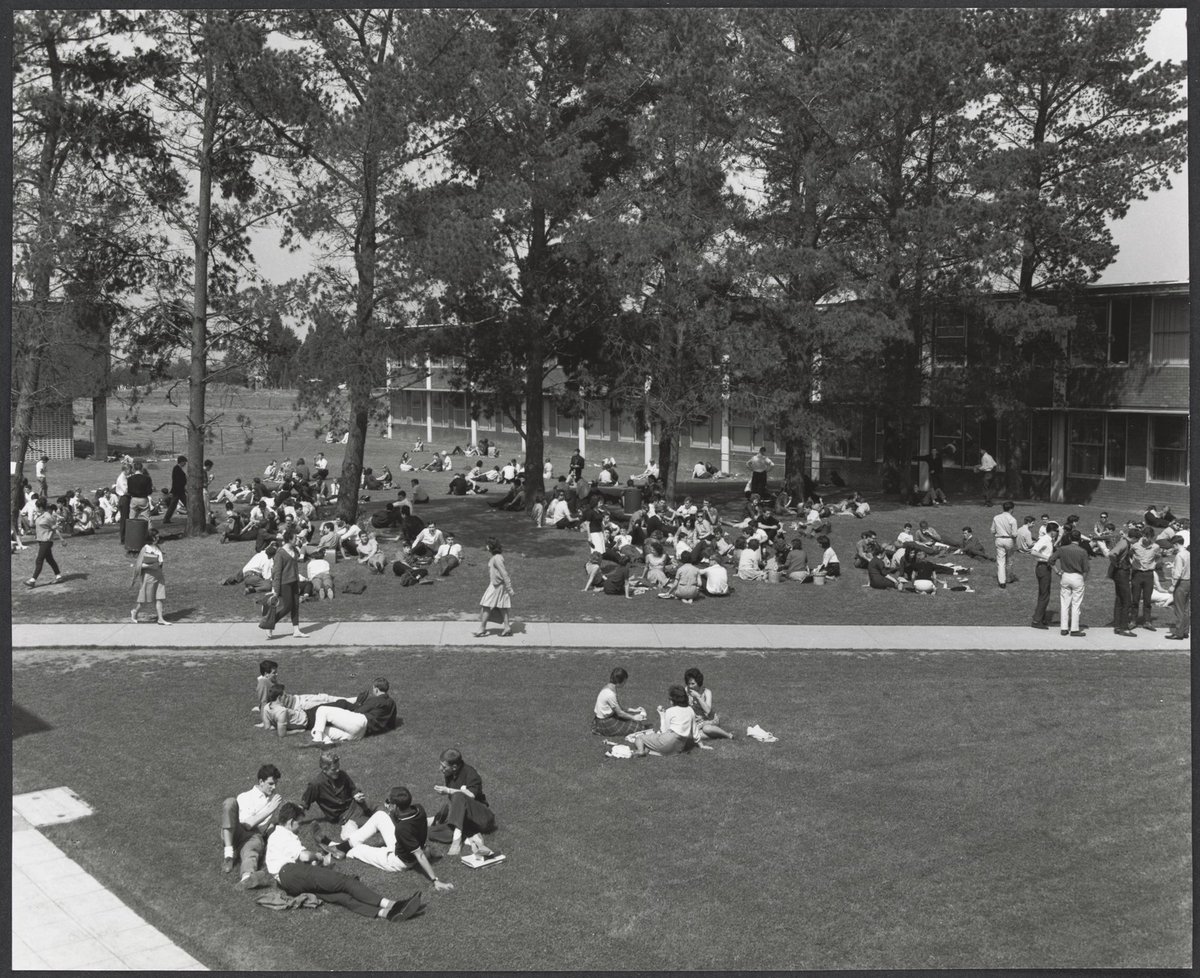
63 919
583 635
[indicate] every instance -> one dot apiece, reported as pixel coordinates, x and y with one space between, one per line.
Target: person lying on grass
337 798
247 818
297 870
293 712
677 728
465 815
403 828
701 700
609 718
372 712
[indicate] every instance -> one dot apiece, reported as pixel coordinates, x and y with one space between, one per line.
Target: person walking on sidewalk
1182 594
285 581
1004 529
499 591
45 528
148 576
1072 560
1042 549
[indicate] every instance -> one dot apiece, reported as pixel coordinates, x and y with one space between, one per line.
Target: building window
707 433
850 445
1118 330
1037 447
881 437
596 424
565 425
1097 445
1169 331
628 428
949 341
742 434
946 429
1168 446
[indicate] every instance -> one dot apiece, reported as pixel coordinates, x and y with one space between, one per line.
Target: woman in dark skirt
608 718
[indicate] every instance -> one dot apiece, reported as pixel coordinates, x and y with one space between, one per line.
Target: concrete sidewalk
63 919
576 635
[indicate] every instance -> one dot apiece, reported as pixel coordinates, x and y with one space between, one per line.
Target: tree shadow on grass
179 614
24 722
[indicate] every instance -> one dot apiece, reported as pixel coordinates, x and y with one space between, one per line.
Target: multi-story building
1112 429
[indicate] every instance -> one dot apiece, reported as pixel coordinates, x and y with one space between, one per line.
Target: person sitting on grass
256 574
85 522
686 585
609 718
337 798
427 542
750 563
403 828
715 581
247 818
297 870
656 565
830 564
372 712
970 546
448 556
417 493
367 547
465 814
701 700
879 575
618 580
677 728
795 564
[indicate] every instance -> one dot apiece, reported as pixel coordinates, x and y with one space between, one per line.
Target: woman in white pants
1072 561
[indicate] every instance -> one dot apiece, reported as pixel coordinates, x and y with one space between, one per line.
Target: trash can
135 534
631 499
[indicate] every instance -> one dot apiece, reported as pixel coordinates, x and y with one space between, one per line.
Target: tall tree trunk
100 425
668 461
1011 424
364 310
197 510
32 344
795 461
535 444
535 361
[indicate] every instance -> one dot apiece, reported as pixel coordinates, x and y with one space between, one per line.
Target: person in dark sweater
178 488
466 814
372 712
337 797
141 488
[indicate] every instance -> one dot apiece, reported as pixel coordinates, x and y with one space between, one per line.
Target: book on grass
476 861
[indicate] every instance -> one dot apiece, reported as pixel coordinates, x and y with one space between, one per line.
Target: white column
474 432
428 400
1058 456
725 438
649 440
926 441
814 463
582 438
524 424
390 395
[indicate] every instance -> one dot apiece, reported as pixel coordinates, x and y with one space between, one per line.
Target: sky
1152 237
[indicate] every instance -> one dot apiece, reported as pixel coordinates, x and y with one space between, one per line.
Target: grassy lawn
918 811
547 567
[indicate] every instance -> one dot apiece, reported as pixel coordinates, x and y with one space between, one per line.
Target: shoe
1149 627
336 849
1013 580
1127 633
296 633
31 583
58 578
1078 634
1064 632
1038 624
1003 586
406 910
1178 638
227 864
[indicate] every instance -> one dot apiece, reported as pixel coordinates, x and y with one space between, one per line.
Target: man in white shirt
428 541
1004 529
558 513
509 472
1043 547
256 575
650 475
246 820
715 580
987 467
547 471
759 465
449 556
